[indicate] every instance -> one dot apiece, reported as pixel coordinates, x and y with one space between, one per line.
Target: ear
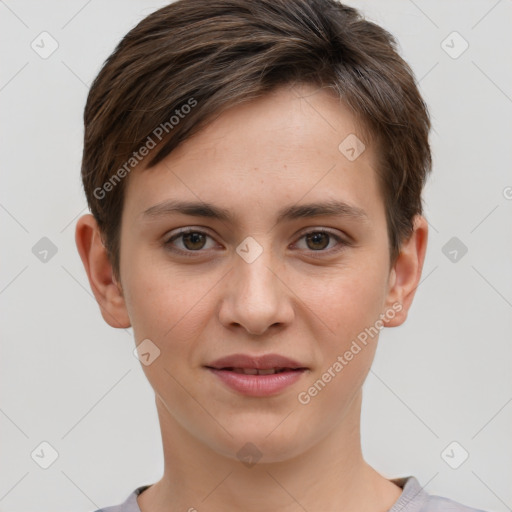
405 275
94 257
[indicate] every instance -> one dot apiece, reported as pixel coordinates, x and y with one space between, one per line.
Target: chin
252 448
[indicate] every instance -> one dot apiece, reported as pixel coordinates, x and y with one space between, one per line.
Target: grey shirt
413 499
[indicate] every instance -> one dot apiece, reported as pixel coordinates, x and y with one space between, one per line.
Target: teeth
270 371
247 371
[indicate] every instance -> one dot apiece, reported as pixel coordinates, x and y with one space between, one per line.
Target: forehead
295 142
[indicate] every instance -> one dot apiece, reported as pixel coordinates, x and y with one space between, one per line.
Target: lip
257 385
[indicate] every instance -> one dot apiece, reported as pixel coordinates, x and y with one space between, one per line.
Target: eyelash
191 254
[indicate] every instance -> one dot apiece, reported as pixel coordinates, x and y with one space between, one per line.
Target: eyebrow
293 212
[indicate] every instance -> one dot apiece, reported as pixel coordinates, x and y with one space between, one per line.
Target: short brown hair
210 54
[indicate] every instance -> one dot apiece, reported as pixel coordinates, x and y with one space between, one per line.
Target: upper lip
264 362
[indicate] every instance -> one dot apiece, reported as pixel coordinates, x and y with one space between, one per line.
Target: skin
299 298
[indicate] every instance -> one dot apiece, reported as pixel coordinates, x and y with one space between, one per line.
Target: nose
257 297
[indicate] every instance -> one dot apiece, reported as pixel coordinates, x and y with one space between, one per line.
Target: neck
329 475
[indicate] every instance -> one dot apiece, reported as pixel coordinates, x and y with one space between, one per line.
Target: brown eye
189 242
318 240
193 241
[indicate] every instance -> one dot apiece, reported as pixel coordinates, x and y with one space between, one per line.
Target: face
258 273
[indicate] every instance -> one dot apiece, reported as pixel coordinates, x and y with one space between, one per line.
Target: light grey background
69 379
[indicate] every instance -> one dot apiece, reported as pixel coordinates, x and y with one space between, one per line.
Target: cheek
349 301
347 309
166 306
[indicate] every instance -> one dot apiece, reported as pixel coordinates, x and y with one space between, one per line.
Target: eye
191 240
320 239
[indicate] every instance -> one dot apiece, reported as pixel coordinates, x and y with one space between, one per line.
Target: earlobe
99 271
405 275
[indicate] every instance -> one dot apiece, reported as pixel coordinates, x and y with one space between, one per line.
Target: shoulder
128 505
415 499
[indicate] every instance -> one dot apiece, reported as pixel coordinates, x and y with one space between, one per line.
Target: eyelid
319 229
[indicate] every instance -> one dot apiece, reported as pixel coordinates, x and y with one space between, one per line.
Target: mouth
257 375
257 382
257 371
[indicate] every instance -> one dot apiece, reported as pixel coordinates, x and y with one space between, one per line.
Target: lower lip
258 385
